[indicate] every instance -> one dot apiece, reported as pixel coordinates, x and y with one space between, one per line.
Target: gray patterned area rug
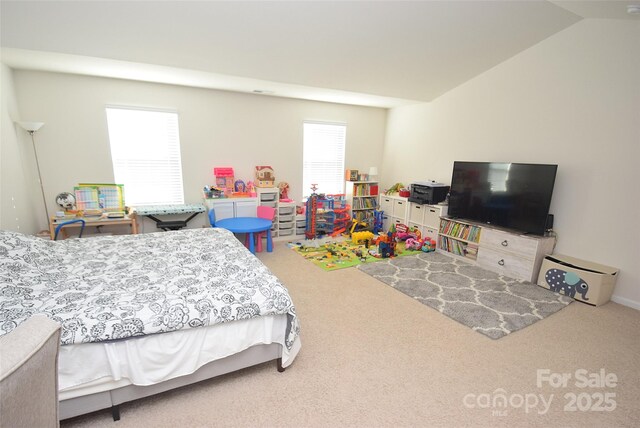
485 301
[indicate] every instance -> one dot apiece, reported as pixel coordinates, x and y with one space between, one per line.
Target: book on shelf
463 231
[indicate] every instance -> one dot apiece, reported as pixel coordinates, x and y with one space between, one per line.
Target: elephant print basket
589 282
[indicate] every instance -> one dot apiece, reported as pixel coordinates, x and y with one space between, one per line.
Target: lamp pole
32 127
44 199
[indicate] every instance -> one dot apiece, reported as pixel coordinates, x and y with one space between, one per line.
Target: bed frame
257 354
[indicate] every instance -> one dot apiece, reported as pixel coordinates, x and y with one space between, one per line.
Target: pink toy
413 244
224 179
404 232
251 189
284 190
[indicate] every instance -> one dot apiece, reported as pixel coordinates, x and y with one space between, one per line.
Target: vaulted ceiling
379 53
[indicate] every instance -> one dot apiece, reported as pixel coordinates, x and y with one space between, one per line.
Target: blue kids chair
63 224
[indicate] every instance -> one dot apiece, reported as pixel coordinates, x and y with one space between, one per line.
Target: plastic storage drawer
285 217
287 210
285 225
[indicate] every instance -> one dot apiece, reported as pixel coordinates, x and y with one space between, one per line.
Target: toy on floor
377 221
358 226
361 237
403 232
427 244
413 244
337 232
387 244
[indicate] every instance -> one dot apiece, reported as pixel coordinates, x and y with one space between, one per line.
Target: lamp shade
30 126
373 170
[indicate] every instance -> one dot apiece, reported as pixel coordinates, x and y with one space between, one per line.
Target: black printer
428 192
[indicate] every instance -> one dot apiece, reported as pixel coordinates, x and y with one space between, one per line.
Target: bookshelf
362 196
459 238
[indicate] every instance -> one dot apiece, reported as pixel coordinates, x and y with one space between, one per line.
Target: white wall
21 207
573 100
217 128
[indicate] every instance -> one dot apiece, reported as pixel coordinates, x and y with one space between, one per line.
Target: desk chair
63 224
212 217
264 212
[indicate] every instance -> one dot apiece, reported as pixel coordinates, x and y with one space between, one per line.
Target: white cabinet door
416 213
246 209
400 209
386 204
223 209
432 216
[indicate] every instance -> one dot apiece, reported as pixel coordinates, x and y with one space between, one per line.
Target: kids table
248 225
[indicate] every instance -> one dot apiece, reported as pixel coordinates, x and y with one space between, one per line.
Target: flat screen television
511 195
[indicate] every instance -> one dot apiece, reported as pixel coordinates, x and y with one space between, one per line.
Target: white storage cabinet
426 218
269 196
233 207
396 210
286 218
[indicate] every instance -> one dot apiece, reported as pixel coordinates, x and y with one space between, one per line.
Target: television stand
507 253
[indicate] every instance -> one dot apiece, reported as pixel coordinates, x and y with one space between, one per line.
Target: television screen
511 195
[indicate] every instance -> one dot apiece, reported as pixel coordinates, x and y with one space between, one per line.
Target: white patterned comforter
115 287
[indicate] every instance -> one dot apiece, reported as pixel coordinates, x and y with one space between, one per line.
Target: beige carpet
372 356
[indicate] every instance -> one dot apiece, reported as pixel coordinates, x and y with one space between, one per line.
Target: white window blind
323 157
145 151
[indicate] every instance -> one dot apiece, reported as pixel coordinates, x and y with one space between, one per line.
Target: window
145 151
323 157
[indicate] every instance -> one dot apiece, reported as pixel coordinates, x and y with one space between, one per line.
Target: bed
142 314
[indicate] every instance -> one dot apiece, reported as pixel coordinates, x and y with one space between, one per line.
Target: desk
248 225
93 222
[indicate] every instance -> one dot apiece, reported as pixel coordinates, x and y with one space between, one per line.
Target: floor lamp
31 128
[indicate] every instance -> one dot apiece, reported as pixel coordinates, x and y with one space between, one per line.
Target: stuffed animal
394 189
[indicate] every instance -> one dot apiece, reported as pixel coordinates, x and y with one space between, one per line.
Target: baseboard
626 302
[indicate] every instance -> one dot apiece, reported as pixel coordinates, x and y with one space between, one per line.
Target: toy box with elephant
589 282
